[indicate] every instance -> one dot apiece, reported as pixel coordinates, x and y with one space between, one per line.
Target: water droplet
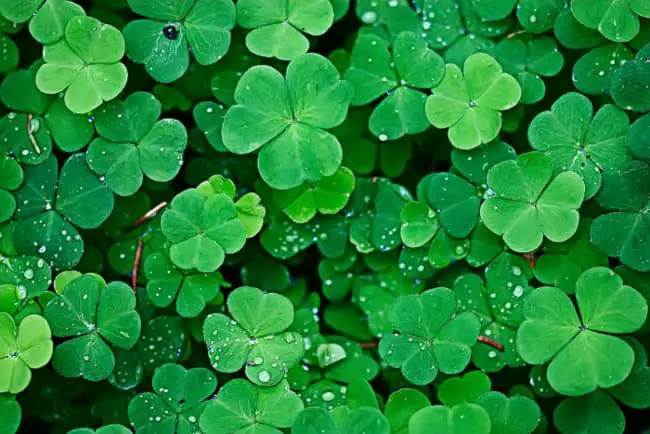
518 291
264 376
29 274
328 396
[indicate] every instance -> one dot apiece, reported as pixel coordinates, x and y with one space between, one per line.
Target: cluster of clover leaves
324 216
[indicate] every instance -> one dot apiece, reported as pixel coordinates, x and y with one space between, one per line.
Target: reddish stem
30 134
136 265
494 344
368 344
149 215
530 257
513 34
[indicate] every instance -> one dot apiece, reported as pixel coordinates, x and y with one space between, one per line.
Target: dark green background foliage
324 216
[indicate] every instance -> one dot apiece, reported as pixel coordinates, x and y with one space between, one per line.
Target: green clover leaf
162 341
106 429
327 196
255 337
78 198
401 406
616 20
10 412
578 143
460 419
419 224
37 120
527 60
514 415
455 201
595 412
288 119
560 265
629 86
50 20
278 25
134 143
177 27
343 420
470 102
19 11
429 337
177 403
12 178
241 407
583 352
462 390
638 138
592 73
529 205
85 64
498 303
92 314
401 75
30 275
202 230
23 347
191 291
624 233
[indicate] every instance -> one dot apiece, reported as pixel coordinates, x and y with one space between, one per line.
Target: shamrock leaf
177 27
30 275
400 74
429 338
577 143
162 341
92 314
583 352
133 142
10 412
177 403
343 420
561 264
202 230
327 196
461 390
455 201
401 406
106 429
12 178
529 205
78 198
255 336
50 20
527 60
623 233
592 73
277 25
23 347
19 11
37 120
514 415
289 118
85 64
629 86
166 283
498 303
419 224
460 419
374 211
470 102
241 407
638 138
595 412
616 20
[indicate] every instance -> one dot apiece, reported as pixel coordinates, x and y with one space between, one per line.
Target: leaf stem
149 215
530 257
136 265
368 344
494 344
30 134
